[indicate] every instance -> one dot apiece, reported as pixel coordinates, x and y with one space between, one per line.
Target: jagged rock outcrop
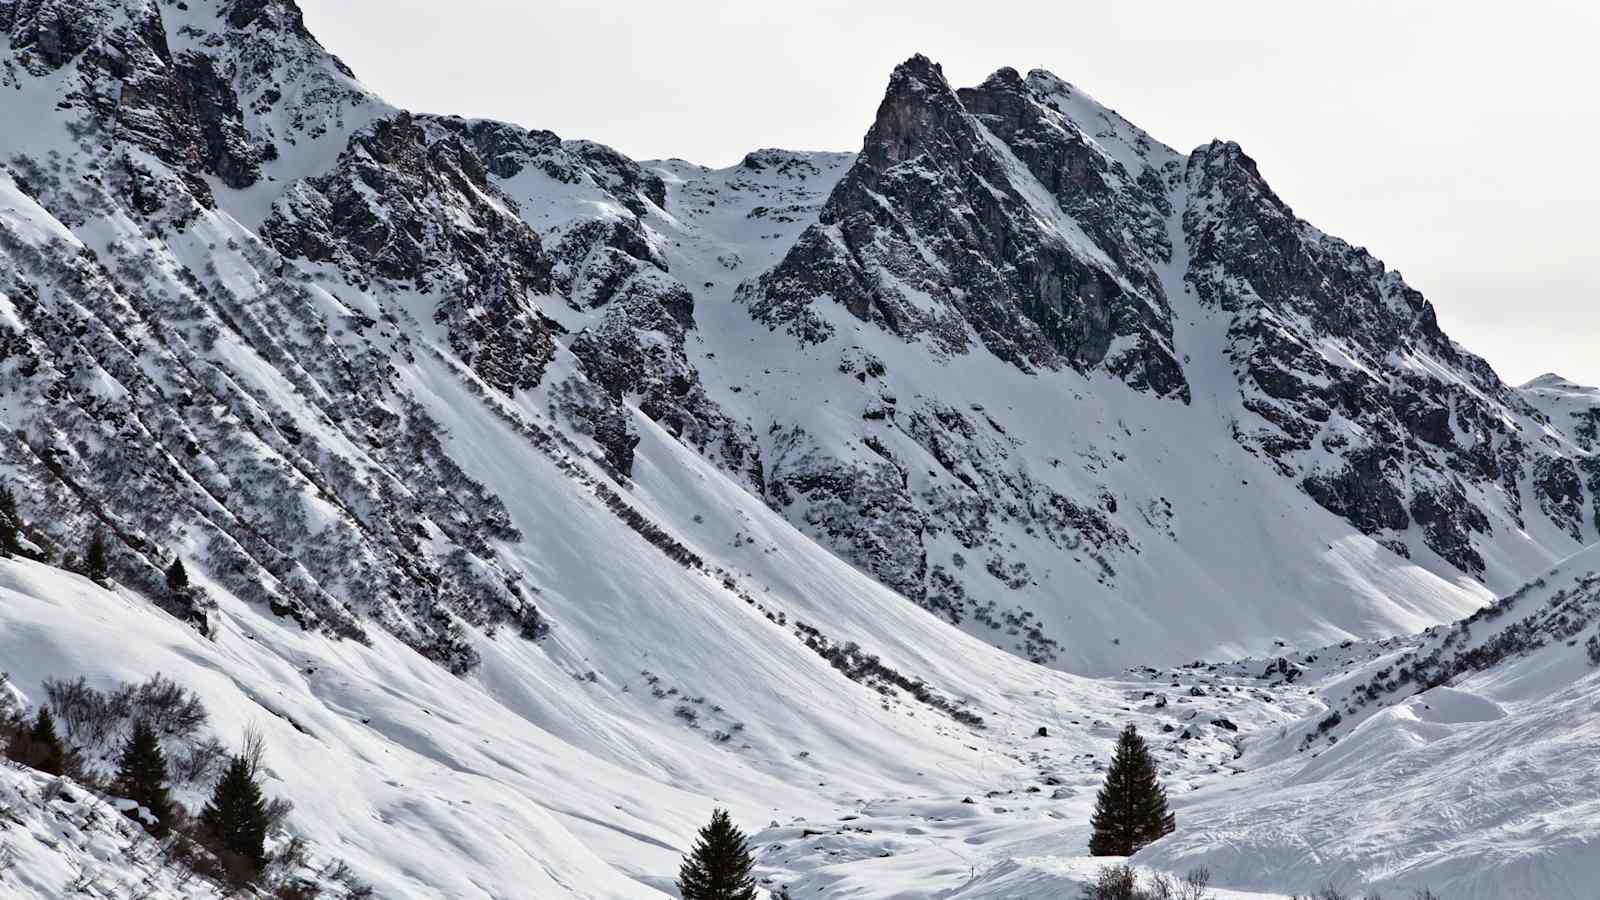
940 232
211 396
401 207
979 359
1359 394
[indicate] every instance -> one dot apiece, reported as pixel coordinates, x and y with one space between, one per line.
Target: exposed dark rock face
1016 219
507 150
1038 224
1572 409
931 237
225 147
51 32
1323 340
341 508
394 208
637 352
183 107
271 14
1363 492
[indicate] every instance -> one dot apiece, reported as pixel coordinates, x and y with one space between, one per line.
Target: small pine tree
95 563
235 819
142 776
38 746
49 751
177 576
1131 809
718 868
10 523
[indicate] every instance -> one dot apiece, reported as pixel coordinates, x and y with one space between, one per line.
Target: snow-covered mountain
550 496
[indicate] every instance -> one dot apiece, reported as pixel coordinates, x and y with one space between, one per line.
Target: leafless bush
253 747
340 873
292 856
1115 883
1328 893
278 809
91 717
1196 884
87 716
196 764
1122 883
85 880
170 708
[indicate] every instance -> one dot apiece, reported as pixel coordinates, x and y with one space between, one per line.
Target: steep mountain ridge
1018 221
645 459
1329 368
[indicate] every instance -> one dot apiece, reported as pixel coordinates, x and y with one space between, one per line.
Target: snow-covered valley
538 500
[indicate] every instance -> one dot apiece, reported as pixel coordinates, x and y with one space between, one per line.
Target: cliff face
986 218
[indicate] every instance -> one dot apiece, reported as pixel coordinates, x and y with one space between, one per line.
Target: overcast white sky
1456 140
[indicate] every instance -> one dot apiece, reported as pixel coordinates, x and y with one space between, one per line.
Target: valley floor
1022 829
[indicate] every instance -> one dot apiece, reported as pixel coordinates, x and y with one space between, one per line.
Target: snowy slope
525 780
1461 761
545 499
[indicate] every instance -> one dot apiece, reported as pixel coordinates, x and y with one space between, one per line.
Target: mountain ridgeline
1033 370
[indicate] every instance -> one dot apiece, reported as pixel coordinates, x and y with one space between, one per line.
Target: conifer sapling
718 868
142 777
235 819
95 564
177 576
10 523
1131 809
38 747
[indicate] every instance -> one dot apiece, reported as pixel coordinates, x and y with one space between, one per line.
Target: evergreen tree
142 776
718 868
177 576
1131 808
95 564
10 522
235 819
38 746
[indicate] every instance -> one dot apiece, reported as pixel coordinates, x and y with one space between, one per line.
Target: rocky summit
1010 397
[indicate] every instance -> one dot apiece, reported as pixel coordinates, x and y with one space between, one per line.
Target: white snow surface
555 770
1482 787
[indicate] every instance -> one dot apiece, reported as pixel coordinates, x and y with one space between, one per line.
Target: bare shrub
1115 883
87 716
196 764
253 747
278 809
170 708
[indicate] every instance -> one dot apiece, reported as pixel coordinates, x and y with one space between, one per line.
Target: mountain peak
916 71
1004 78
280 15
1550 379
1552 382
